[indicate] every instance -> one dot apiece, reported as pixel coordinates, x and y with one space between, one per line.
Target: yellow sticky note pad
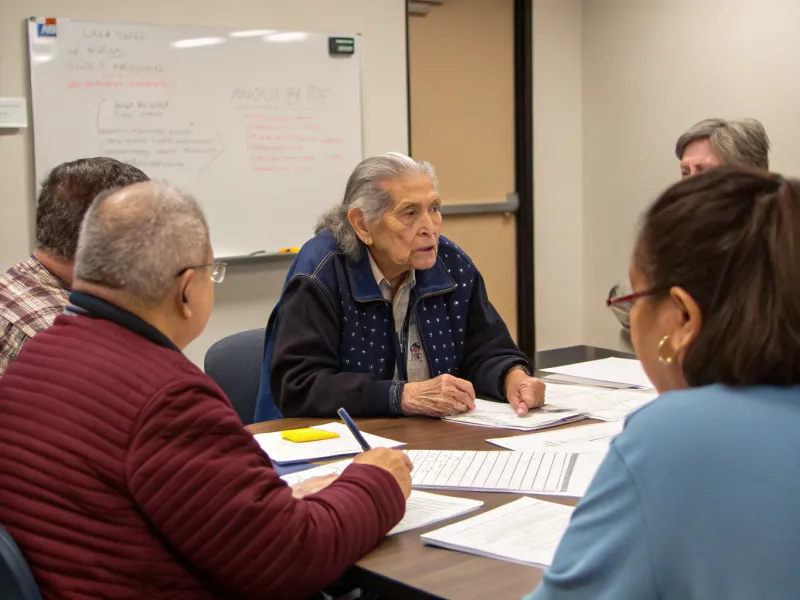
307 434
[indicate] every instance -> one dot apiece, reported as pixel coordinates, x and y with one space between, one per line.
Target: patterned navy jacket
331 339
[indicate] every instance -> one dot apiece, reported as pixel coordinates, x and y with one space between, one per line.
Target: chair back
234 362
16 579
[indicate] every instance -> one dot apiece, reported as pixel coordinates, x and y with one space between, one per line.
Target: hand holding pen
395 462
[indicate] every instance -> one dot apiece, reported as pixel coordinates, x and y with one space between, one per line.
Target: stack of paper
596 403
422 508
283 451
608 372
575 440
501 414
545 473
526 531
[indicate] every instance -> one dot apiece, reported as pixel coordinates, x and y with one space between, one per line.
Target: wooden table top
402 566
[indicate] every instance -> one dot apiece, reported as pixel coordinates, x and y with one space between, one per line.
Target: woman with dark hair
698 496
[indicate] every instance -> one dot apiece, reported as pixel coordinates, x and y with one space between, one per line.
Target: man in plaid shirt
34 291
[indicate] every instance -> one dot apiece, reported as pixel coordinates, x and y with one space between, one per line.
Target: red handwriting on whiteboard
281 144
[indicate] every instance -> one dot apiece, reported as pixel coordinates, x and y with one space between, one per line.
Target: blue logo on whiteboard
46 30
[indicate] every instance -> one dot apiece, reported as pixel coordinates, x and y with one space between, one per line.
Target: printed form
596 403
545 473
501 414
526 531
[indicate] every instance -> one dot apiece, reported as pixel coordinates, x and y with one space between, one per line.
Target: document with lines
596 403
526 531
422 508
501 414
546 473
586 438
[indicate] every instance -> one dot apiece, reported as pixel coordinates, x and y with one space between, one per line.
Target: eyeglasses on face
620 301
217 270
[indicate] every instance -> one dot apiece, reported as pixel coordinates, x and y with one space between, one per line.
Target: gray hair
741 142
365 191
137 239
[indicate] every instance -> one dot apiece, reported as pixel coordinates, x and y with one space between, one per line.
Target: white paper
584 438
285 452
13 112
526 531
616 370
422 508
545 473
501 414
334 468
597 403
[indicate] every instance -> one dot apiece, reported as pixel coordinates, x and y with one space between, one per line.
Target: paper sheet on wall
526 531
585 438
13 113
501 414
422 508
283 451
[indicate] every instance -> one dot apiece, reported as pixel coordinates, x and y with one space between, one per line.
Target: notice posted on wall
13 113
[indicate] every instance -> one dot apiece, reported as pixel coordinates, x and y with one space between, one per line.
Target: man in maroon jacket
124 471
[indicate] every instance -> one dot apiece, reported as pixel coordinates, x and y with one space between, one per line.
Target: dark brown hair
730 237
68 191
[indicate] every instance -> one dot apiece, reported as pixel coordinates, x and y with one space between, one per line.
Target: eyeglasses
217 270
621 301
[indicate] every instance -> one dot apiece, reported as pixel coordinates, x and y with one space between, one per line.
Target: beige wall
246 297
558 172
651 69
615 83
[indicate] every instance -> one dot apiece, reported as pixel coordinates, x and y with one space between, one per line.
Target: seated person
707 144
124 471
383 316
34 291
697 496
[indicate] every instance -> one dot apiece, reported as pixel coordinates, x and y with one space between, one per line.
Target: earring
368 241
662 347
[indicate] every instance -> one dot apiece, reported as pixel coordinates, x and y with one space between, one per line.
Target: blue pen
353 429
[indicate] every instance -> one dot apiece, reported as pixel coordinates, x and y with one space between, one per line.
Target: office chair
234 362
16 579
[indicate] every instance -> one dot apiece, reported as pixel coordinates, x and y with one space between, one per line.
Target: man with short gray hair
714 142
147 479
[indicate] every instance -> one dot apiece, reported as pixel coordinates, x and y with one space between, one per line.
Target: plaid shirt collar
31 296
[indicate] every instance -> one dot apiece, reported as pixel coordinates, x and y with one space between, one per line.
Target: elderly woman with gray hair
383 316
706 144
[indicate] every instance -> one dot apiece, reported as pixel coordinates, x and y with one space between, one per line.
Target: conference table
401 566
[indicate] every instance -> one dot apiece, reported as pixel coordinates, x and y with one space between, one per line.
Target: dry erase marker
288 250
353 429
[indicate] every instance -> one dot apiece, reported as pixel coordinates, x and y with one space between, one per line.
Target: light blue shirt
699 497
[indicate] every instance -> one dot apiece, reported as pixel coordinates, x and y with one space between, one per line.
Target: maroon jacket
125 473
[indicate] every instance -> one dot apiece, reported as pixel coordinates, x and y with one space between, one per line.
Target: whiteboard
263 127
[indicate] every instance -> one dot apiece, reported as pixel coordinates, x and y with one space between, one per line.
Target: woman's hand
442 396
523 391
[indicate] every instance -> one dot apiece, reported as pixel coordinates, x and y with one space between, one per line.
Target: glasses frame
631 298
218 270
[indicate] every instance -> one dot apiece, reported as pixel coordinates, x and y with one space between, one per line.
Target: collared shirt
416 361
31 297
